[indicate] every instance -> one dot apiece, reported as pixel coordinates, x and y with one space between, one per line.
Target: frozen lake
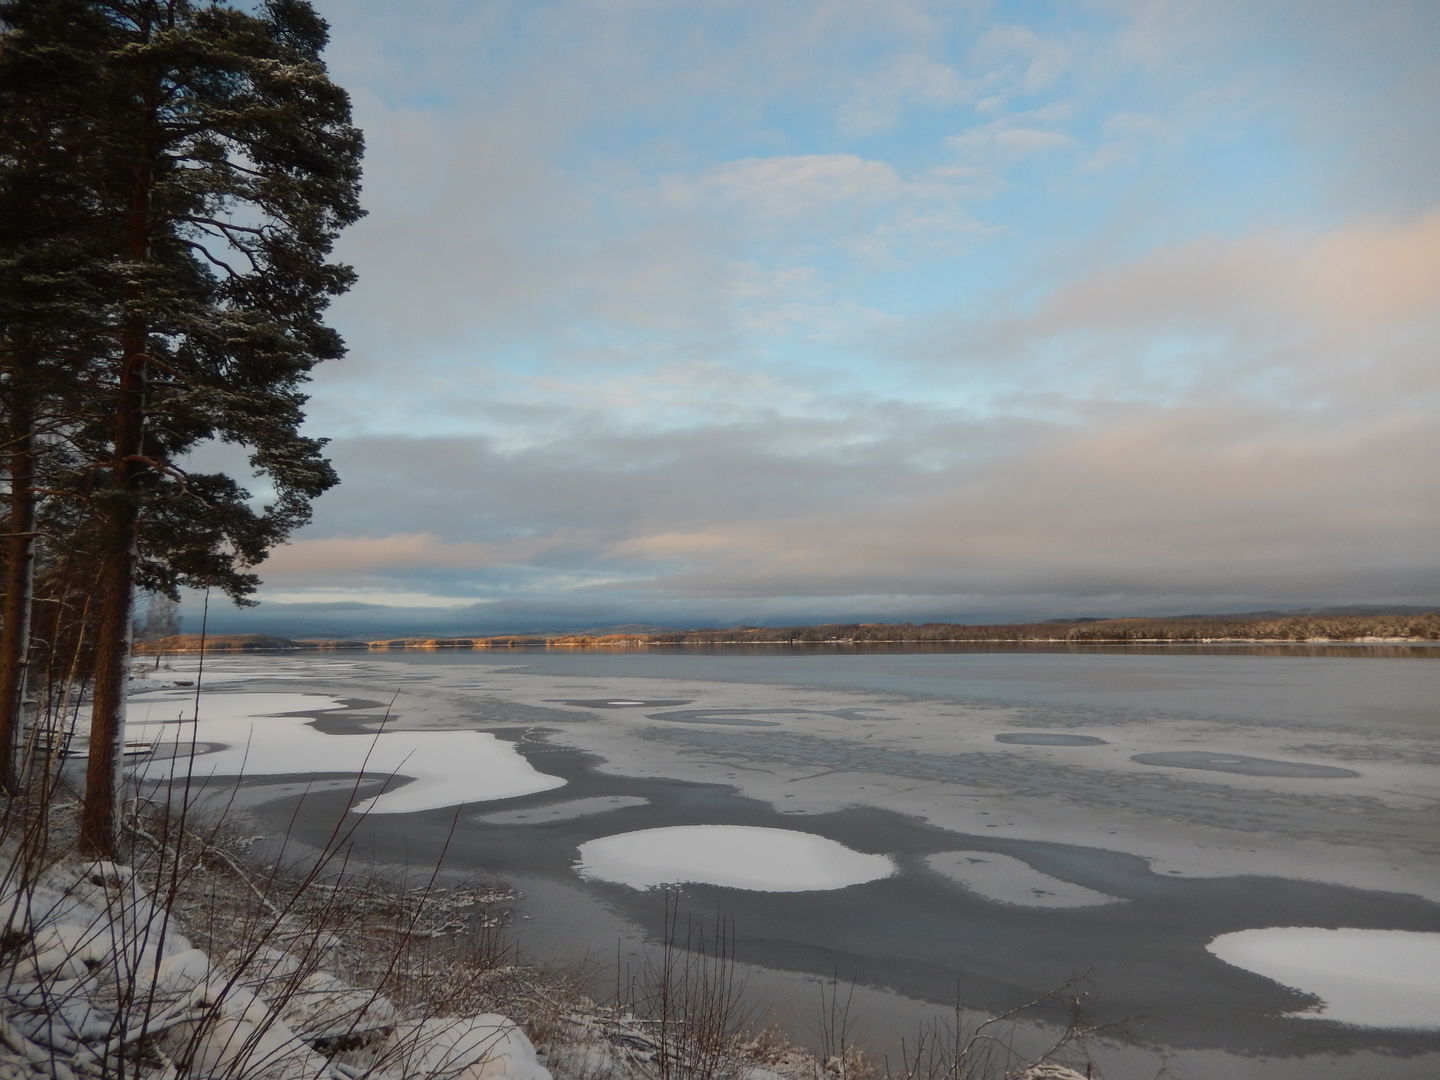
988 823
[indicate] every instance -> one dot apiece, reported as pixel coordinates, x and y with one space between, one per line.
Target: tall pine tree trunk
115 590
19 587
115 600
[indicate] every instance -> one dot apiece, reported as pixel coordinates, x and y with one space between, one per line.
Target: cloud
1349 84
1129 123
1184 501
339 557
1340 321
1227 495
818 202
1347 281
1130 139
1015 142
906 80
1043 60
786 187
1014 137
1132 444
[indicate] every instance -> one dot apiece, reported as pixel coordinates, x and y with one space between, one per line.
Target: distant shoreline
305 646
1271 630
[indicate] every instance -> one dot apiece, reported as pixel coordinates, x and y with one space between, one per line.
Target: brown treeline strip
1219 629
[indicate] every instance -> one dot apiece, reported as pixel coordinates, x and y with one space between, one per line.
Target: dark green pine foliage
219 166
53 311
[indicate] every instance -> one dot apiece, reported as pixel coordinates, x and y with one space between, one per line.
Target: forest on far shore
1265 627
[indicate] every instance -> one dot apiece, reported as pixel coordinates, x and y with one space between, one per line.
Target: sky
699 312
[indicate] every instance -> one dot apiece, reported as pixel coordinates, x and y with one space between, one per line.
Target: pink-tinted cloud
1346 280
332 559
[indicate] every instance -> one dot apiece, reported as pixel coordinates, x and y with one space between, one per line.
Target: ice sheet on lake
736 856
1369 978
1008 880
445 768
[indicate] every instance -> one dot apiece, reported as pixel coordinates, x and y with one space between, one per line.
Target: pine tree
219 166
51 319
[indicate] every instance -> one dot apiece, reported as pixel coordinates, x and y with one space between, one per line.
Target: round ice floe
1369 978
736 856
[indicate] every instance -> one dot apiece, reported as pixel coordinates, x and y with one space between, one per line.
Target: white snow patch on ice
565 811
234 669
445 768
1368 978
1008 880
736 856
146 713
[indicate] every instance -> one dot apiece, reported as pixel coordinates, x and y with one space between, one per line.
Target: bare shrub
962 1047
682 1014
839 1056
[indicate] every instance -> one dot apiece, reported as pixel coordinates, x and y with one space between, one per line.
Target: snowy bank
98 981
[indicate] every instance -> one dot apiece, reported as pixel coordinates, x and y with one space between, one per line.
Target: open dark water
1208 790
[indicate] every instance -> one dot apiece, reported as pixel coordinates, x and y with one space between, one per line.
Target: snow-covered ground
94 965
